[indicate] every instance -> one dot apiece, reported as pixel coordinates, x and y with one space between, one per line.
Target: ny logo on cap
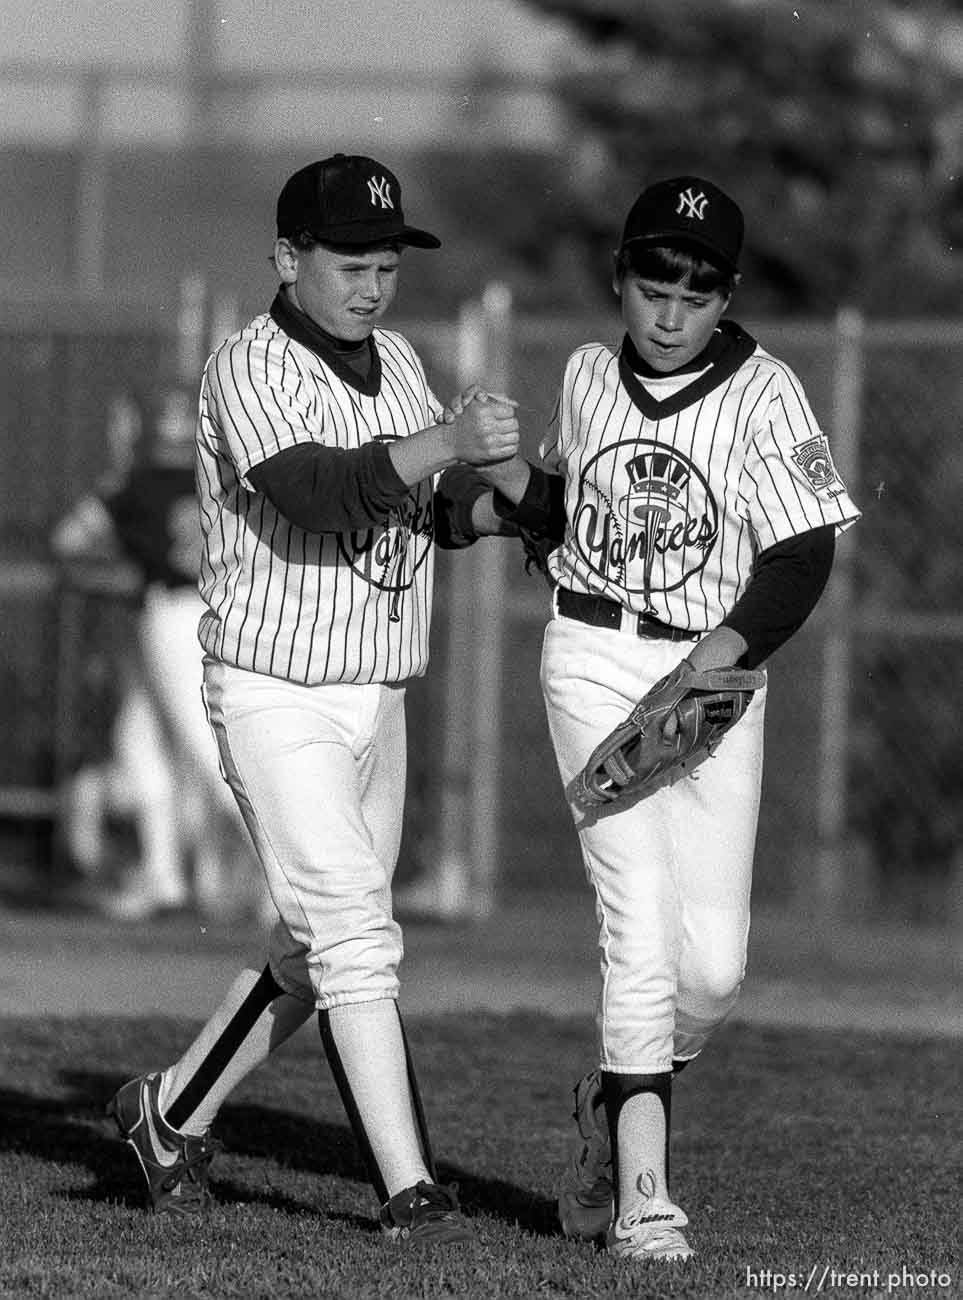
692 205
380 190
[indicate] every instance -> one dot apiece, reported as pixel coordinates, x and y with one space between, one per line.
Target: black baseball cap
347 199
688 210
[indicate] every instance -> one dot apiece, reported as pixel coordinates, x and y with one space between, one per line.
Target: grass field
795 1150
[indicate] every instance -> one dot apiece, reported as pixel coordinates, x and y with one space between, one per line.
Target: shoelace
189 1165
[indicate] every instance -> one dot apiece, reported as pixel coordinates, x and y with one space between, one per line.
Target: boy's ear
616 278
286 261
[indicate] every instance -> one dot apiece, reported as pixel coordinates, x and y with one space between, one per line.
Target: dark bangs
671 264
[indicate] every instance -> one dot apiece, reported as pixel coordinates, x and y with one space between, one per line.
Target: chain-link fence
862 760
904 772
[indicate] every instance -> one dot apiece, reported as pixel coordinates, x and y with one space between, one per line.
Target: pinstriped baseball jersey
309 607
675 483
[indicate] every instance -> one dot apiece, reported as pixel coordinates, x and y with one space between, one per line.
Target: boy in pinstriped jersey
688 506
318 444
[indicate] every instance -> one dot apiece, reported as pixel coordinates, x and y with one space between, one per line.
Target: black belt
599 611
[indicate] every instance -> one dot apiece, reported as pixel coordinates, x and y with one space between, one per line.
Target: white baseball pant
319 776
671 871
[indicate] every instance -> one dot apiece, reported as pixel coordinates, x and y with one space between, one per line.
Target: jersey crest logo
815 460
379 187
643 510
692 205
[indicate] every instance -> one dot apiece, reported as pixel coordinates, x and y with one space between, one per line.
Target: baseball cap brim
359 233
419 238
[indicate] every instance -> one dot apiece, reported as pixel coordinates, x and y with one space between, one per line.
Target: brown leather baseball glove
632 759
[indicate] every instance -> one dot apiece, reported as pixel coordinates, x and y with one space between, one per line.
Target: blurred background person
100 799
138 535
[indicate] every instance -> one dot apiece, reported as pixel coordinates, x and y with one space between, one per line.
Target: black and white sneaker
175 1165
427 1214
652 1229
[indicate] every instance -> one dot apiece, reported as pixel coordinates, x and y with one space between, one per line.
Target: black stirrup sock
237 1029
616 1090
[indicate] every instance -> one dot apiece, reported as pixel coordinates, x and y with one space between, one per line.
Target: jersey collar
728 348
300 327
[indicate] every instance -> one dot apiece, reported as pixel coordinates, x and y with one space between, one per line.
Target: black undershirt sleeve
541 510
330 489
787 581
458 489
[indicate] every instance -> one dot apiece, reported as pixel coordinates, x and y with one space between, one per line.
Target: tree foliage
836 123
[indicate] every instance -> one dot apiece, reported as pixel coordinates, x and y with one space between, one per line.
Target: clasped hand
482 427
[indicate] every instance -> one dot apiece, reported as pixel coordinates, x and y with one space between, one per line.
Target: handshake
480 428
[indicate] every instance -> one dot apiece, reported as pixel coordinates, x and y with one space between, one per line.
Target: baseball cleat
174 1164
427 1214
586 1197
650 1230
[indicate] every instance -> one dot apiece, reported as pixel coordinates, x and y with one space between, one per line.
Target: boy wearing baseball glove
686 509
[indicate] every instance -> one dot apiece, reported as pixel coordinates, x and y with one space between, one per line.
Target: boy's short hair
673 263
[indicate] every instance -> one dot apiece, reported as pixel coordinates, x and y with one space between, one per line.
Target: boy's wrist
509 477
720 649
422 454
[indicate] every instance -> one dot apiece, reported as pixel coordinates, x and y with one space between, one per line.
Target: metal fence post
225 319
191 337
831 882
465 875
489 584
448 891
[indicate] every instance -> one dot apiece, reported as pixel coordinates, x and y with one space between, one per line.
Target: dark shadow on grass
501 1200
73 1129
304 1143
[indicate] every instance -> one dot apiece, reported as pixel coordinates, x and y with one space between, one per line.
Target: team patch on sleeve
815 460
